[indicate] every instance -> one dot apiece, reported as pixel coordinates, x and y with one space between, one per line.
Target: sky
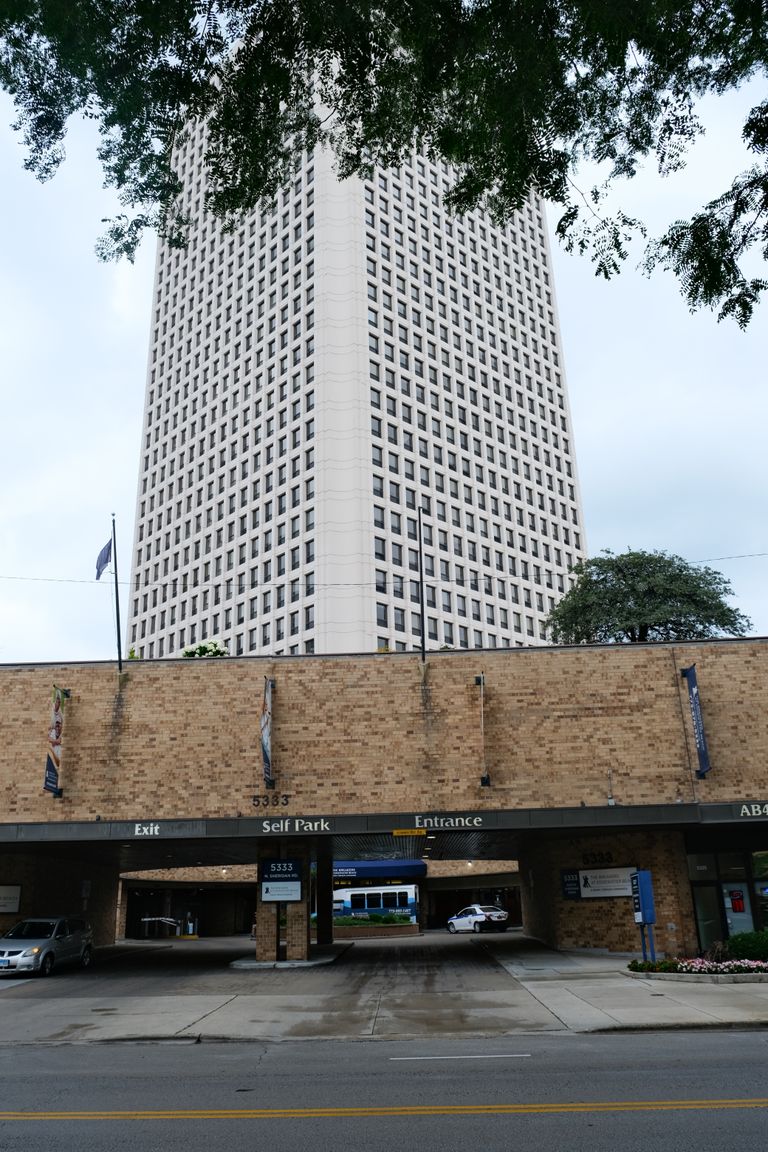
669 409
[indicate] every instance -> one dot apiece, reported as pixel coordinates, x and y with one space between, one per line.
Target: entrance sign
599 882
280 881
569 884
280 870
595 883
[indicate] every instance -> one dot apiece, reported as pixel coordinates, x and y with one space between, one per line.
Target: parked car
479 918
43 942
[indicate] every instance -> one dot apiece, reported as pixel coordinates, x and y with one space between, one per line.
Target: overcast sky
670 410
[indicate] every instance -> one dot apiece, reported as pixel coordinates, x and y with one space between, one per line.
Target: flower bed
700 967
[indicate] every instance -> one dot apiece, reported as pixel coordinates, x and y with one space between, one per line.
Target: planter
705 977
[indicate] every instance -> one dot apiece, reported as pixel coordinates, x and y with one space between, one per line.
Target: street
566 1092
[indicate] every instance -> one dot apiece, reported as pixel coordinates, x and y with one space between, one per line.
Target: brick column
265 923
297 915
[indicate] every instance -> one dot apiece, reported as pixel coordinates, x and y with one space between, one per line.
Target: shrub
748 946
207 649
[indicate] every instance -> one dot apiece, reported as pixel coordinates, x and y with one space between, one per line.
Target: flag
103 559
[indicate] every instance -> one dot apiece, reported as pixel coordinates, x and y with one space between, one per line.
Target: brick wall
608 922
57 887
180 739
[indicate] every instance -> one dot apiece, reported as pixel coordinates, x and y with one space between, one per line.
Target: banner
689 675
55 735
266 732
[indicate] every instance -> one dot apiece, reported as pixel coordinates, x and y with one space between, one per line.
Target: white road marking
498 1056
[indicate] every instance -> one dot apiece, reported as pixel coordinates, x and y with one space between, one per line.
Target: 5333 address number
271 800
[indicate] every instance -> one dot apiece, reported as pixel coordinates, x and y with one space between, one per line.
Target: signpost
644 909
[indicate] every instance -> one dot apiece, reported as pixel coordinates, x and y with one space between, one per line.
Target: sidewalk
593 992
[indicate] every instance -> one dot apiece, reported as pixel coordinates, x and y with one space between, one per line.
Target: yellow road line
404 1110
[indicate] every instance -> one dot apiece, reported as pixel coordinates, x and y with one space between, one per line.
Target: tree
515 94
205 651
644 597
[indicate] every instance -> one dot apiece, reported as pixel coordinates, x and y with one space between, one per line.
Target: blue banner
689 675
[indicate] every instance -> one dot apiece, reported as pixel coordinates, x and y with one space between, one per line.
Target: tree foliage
515 94
644 597
208 649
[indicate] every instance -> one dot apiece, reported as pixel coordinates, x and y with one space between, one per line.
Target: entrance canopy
359 839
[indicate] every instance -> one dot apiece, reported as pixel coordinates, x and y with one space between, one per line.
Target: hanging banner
266 732
689 675
55 734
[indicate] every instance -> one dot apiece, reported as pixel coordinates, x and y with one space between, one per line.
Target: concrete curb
704 977
329 955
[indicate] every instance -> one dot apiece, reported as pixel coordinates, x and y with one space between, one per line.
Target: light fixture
485 780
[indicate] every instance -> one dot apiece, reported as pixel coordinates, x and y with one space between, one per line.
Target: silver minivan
41 943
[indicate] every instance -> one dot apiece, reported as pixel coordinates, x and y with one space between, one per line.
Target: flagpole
117 597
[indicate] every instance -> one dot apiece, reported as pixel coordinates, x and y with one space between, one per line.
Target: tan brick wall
180 739
441 869
609 922
56 887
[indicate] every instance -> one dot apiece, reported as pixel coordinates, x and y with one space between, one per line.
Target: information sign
10 897
280 881
281 891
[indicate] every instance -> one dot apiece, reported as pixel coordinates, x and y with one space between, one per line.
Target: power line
740 556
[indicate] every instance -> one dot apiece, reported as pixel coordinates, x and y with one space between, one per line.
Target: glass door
738 907
706 900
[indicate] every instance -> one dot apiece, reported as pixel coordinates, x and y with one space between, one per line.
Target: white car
479 918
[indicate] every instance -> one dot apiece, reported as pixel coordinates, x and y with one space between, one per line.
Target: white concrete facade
335 364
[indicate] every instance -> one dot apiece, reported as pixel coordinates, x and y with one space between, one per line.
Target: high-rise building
347 363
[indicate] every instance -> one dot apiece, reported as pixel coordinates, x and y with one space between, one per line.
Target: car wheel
451 927
476 926
86 958
46 965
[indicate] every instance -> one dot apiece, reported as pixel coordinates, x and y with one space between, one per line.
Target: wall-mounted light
485 780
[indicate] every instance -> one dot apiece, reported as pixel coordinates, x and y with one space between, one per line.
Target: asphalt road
688 1092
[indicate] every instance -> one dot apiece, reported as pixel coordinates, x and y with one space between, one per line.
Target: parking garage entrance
77 866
